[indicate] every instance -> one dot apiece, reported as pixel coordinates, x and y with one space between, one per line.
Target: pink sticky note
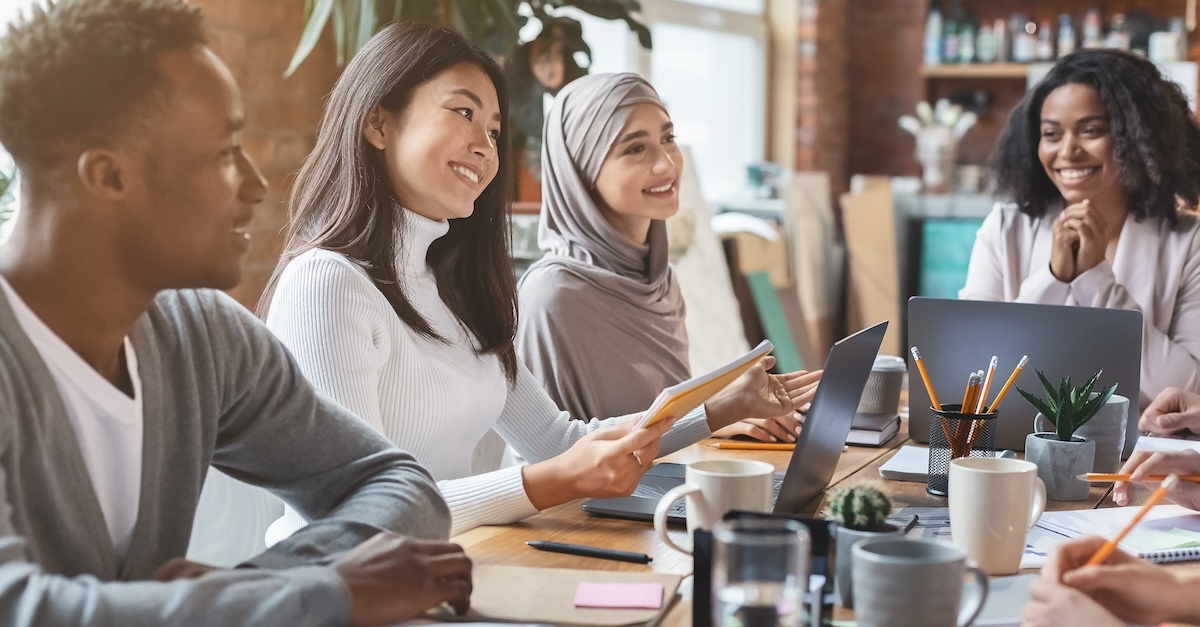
640 596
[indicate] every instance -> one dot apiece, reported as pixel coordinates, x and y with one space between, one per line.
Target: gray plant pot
1060 464
844 559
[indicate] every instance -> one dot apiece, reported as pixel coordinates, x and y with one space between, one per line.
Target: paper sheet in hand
681 398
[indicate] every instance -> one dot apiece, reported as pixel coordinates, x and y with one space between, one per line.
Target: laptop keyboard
679 508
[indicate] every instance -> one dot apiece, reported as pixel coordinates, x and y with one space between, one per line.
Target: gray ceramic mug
915 583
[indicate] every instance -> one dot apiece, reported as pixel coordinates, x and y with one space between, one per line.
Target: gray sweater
217 389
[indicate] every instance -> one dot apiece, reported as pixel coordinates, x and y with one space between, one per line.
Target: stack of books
873 429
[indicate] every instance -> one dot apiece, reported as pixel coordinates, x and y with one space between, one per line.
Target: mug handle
1039 501
972 603
1038 419
665 503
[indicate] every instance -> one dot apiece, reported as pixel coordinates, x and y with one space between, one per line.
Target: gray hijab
601 317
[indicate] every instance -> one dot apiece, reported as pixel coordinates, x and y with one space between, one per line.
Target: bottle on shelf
1091 29
1000 35
1045 42
933 36
985 44
1118 33
1066 35
1023 39
950 37
966 40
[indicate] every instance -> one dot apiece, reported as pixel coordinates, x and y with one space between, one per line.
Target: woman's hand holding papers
764 403
1124 587
1172 412
1142 464
606 463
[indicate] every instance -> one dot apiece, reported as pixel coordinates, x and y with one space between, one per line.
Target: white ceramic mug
993 505
713 487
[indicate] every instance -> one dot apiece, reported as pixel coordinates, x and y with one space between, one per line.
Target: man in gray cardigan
121 380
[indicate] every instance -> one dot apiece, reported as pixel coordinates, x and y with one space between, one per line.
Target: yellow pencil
1107 549
933 398
756 446
1008 384
987 384
1112 476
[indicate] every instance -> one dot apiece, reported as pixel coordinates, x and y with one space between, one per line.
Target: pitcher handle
972 603
664 505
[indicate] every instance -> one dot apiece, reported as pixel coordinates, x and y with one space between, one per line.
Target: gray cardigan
217 388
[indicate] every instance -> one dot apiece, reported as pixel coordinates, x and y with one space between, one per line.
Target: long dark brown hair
342 200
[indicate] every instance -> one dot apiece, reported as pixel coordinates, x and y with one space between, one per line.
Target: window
709 66
9 11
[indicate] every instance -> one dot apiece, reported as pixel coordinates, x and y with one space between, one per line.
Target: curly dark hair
1155 136
80 72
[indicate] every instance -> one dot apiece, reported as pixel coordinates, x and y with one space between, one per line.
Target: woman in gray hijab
602 316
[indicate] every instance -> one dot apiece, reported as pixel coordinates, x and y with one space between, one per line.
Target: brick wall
256 39
822 91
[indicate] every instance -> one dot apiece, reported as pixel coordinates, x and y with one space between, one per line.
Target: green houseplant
1069 408
1061 455
860 512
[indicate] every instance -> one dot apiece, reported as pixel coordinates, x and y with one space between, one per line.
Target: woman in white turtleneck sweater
396 296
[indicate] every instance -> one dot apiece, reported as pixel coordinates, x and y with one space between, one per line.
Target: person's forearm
548 484
723 409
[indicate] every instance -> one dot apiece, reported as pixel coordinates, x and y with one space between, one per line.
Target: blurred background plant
550 57
8 189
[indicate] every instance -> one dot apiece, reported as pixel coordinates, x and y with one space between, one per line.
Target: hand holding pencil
1143 466
1132 589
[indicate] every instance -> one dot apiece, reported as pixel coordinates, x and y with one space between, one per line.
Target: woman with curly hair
1102 162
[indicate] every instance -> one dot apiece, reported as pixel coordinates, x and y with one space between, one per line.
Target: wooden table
567 523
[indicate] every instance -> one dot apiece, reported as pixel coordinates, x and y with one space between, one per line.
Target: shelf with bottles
975 32
976 70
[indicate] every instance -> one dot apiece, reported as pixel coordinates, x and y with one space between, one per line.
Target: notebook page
1167 533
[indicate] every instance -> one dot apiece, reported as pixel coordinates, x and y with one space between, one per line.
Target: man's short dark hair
79 72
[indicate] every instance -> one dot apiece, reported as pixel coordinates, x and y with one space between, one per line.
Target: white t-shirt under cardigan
107 423
433 399
1156 270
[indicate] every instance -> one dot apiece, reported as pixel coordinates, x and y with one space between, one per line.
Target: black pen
590 551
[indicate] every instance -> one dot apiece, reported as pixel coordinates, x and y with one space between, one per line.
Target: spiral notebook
1168 533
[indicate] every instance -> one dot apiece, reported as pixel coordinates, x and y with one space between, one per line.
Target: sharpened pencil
1107 549
1112 476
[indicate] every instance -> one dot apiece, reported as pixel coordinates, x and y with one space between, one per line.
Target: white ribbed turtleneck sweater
433 399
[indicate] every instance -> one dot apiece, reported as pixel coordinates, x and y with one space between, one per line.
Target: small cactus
863 508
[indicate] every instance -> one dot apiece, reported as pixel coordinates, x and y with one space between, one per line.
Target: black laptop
817 449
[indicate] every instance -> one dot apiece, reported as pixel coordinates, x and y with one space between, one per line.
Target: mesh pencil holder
952 435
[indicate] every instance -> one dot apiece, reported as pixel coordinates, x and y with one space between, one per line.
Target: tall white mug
993 505
713 487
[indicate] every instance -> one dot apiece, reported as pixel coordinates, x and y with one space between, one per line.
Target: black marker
590 551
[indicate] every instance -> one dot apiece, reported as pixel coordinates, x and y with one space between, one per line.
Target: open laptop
817 449
956 337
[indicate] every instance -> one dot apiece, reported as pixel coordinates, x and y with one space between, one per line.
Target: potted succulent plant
1060 455
861 512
